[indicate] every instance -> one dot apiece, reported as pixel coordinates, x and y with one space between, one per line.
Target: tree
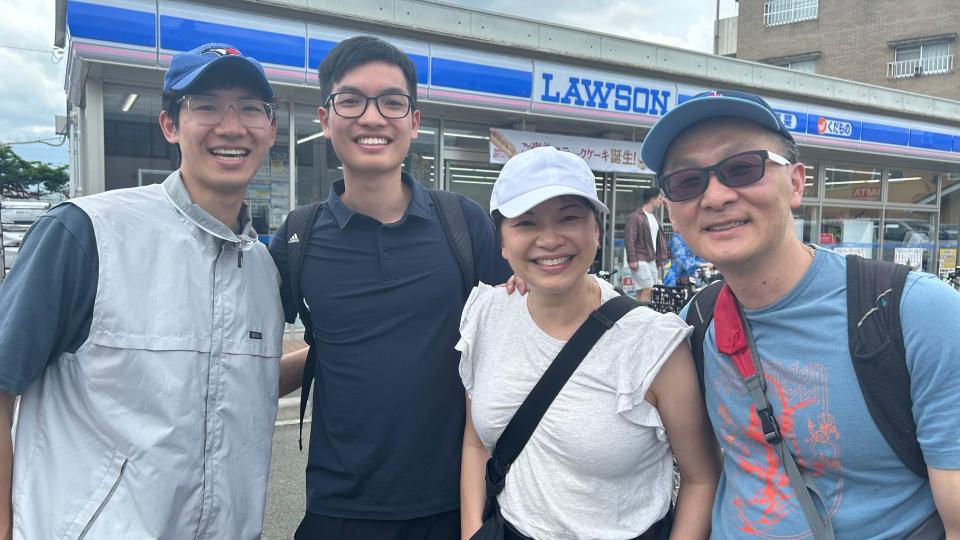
22 179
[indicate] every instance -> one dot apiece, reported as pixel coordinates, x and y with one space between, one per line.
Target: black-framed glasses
392 105
210 110
735 171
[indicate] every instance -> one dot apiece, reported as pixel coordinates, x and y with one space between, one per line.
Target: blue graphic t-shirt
811 384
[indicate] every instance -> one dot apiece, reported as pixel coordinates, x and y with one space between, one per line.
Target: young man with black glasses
385 294
731 174
143 328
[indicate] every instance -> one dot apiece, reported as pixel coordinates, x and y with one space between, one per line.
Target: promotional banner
603 155
948 261
912 257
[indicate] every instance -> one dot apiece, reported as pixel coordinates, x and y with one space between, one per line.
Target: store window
467 167
811 181
851 230
268 194
805 224
317 164
912 186
908 238
421 161
851 182
949 225
135 150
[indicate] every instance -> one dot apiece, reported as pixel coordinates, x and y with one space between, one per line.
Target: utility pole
716 30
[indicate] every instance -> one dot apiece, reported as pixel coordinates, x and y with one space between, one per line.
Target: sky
32 85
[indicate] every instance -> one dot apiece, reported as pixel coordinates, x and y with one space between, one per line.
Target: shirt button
386 255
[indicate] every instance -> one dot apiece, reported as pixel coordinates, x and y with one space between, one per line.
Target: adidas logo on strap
294 239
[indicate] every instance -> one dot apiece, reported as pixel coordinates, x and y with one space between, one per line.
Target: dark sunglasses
735 171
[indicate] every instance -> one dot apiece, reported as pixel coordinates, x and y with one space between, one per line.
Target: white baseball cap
542 173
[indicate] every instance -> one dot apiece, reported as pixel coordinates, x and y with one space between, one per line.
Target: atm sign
837 128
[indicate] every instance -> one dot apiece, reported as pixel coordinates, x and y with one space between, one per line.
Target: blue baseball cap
704 106
185 68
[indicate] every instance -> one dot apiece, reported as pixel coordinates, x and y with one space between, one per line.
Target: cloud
31 90
680 23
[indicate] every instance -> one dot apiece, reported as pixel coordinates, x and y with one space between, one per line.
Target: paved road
286 499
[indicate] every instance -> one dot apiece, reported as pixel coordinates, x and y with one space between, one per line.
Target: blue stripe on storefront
181 34
108 23
880 133
481 78
931 139
320 48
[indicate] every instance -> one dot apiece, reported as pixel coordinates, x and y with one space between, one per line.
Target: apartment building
908 46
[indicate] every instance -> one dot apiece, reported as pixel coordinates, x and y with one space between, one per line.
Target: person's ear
169 128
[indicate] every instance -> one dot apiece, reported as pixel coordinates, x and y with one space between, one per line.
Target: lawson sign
596 93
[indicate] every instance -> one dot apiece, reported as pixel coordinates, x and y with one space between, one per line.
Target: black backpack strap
528 415
454 224
299 227
879 357
699 315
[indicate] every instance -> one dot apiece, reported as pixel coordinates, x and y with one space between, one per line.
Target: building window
776 12
920 59
803 66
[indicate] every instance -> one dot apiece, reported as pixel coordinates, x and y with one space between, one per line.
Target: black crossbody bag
527 417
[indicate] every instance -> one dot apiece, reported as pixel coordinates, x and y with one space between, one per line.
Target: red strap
728 331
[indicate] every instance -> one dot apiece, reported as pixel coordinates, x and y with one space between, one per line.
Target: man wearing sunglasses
731 174
143 328
385 293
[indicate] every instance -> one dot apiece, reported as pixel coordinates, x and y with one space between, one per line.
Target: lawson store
883 167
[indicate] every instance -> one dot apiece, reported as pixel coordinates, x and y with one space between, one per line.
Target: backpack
876 347
299 227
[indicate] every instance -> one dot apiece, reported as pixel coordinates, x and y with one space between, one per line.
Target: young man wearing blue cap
385 292
731 174
142 328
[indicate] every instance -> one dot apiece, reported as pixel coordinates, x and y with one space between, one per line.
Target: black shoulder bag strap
299 228
455 228
528 415
699 315
879 357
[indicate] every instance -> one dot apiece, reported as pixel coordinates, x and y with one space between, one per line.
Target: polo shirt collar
419 201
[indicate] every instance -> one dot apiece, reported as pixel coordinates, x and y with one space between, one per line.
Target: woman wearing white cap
598 465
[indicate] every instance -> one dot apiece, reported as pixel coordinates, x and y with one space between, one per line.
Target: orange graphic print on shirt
799 399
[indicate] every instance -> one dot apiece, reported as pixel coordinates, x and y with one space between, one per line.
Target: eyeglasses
210 110
735 171
354 105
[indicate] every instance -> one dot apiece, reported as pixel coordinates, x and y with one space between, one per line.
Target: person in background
683 263
646 244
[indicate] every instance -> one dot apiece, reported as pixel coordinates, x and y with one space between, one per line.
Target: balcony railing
776 12
934 65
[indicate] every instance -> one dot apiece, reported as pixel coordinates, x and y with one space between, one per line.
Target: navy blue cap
704 106
185 68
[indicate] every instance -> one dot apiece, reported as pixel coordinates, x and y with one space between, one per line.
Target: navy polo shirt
388 405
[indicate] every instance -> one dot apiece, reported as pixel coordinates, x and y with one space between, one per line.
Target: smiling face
221 158
370 145
730 227
552 245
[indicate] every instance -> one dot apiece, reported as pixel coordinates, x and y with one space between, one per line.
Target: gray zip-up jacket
160 425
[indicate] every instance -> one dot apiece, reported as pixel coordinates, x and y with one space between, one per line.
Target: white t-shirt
598 465
654 229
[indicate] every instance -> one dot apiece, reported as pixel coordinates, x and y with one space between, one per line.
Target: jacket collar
178 195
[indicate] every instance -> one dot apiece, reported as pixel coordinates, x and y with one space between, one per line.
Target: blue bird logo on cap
222 51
